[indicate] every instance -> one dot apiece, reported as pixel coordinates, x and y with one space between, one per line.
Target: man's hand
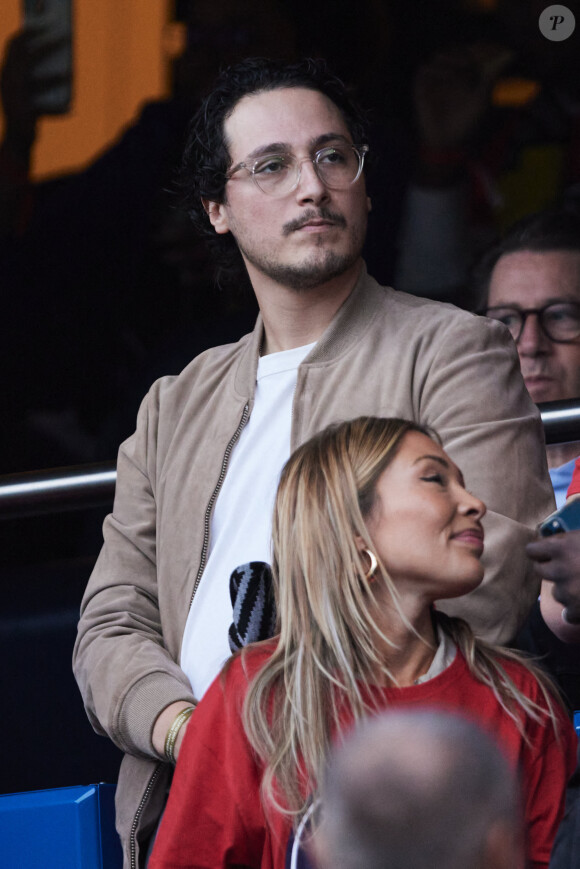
557 561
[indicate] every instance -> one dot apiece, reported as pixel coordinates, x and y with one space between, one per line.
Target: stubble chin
319 268
307 276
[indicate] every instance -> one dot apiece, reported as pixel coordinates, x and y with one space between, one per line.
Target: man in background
531 283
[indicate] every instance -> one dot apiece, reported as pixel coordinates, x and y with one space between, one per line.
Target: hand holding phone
556 557
566 518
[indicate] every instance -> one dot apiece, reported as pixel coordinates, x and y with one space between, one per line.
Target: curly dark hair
206 158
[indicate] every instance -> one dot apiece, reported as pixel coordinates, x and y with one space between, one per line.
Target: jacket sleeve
214 816
124 670
474 396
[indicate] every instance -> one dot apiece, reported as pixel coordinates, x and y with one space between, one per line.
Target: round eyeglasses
559 321
337 167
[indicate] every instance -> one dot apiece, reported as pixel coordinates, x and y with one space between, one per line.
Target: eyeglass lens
559 321
337 167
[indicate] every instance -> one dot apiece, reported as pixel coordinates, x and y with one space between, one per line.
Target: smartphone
567 518
50 23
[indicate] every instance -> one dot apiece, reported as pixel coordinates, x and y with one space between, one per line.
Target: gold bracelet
171 737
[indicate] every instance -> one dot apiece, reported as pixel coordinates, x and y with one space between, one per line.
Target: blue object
577 723
561 478
68 828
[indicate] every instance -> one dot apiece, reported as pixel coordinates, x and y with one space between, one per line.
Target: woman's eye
434 478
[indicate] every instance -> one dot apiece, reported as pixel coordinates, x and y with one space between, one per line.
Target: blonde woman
372 525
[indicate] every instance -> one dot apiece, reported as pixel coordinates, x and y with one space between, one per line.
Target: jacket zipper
213 498
144 798
225 461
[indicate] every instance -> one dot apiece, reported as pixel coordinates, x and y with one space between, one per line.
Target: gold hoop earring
374 563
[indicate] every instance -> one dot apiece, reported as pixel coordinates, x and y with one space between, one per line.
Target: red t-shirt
214 816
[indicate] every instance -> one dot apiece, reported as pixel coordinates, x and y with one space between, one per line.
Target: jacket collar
346 329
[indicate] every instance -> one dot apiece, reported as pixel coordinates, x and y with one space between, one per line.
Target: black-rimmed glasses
337 166
559 321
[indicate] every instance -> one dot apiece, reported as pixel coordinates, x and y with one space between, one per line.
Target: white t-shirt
241 525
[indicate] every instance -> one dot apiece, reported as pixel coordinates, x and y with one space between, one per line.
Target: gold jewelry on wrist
171 737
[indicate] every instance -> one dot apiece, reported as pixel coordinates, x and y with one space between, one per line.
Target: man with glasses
273 177
531 283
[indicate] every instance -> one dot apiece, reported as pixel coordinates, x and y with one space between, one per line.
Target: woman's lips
471 537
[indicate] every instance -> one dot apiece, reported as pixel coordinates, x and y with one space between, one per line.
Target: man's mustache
322 214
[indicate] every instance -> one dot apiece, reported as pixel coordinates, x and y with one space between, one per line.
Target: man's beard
306 275
310 273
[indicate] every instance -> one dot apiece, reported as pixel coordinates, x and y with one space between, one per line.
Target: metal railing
61 489
57 490
561 421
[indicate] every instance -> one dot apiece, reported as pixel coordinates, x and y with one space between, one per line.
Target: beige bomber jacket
384 354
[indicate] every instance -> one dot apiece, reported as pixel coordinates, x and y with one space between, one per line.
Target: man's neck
293 318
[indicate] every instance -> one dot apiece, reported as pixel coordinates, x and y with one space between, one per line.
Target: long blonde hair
327 655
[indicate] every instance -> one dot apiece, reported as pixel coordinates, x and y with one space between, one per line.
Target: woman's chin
464 585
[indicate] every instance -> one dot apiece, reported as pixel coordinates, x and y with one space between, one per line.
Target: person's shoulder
554 725
208 367
432 314
217 357
516 666
534 684
520 671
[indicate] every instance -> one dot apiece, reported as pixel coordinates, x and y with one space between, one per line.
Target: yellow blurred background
119 61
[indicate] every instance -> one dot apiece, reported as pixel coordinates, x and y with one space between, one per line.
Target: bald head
416 789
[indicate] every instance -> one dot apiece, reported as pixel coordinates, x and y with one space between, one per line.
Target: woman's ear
360 544
216 211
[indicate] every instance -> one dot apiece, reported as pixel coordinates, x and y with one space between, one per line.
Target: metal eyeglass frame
360 151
